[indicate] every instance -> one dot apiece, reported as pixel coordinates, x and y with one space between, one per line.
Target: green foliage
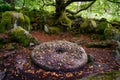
5 7
37 18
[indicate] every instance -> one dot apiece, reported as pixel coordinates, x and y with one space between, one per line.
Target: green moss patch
12 19
20 35
112 33
88 26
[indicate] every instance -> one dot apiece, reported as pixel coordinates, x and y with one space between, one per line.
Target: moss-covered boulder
97 37
112 33
114 75
20 35
102 24
101 44
12 19
51 29
87 26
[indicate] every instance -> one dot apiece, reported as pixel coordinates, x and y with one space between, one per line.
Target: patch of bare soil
17 64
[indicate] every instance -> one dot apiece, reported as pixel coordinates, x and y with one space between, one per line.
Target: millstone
59 56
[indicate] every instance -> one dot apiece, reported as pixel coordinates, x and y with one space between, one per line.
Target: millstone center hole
60 50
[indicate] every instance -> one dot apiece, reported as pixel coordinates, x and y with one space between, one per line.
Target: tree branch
73 13
71 1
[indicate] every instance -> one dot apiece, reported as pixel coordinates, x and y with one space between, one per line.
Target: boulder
12 19
88 26
59 56
20 35
51 29
101 44
112 33
102 24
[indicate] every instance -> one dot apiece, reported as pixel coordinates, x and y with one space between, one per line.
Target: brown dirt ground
18 66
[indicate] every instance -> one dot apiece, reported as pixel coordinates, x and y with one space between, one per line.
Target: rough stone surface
59 55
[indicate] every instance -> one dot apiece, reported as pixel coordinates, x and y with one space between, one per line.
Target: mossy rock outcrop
112 33
51 29
102 24
114 75
12 19
20 35
101 44
88 26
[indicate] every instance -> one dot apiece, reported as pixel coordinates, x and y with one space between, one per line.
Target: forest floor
17 64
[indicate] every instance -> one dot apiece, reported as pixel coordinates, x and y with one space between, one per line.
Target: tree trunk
61 17
59 7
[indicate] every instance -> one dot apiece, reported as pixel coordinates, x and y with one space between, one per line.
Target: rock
101 26
12 19
22 36
97 37
90 58
114 75
59 56
6 55
2 75
88 26
101 44
51 29
112 33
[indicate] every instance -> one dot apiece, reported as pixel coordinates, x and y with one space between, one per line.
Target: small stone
2 75
31 44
